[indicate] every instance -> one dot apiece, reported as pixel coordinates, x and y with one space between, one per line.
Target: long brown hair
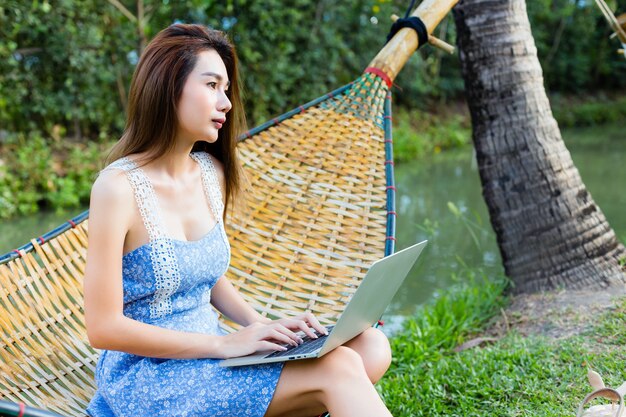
155 91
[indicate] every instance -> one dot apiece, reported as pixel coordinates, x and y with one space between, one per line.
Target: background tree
550 231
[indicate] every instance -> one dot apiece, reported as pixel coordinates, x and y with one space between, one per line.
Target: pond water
457 243
430 190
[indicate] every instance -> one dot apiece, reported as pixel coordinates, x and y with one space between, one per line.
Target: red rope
380 73
72 223
22 410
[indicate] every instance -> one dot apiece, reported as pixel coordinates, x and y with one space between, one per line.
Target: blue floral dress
167 283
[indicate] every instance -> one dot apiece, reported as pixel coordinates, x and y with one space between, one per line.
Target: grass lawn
517 375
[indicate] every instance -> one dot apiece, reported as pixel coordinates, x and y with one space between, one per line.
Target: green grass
516 376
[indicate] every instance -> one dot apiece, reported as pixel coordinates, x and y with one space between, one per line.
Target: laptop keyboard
308 345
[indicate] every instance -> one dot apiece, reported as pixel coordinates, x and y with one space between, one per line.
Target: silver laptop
368 303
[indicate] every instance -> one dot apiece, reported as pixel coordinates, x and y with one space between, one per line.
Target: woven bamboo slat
45 359
319 210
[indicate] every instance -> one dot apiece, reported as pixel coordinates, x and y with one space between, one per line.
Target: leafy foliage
36 173
65 68
573 45
68 63
418 133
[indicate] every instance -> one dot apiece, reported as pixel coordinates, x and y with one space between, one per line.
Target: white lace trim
164 263
212 189
211 184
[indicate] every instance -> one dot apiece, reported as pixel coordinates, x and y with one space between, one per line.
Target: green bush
416 133
37 173
580 112
69 63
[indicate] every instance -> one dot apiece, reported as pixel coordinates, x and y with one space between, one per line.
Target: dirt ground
555 314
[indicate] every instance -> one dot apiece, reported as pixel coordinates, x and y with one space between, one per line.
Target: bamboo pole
392 58
438 43
434 41
613 22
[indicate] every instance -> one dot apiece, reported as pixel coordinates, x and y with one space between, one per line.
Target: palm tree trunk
550 232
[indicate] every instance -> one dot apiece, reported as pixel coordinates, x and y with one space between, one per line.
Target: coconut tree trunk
550 232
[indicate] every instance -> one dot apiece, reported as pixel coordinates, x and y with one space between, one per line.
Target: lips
219 122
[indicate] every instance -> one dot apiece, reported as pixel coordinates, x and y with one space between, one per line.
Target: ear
595 379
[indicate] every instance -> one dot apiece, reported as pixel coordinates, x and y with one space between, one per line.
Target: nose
224 104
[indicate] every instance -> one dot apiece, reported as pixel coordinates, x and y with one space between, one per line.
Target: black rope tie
414 23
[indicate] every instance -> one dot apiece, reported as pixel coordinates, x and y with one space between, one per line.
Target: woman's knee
343 363
375 351
379 345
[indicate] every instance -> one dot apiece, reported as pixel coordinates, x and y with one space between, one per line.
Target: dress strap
164 263
211 184
212 189
144 195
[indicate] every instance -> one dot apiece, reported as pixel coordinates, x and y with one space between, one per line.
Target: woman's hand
303 322
270 336
257 337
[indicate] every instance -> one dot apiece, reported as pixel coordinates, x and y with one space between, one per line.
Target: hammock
617 24
320 210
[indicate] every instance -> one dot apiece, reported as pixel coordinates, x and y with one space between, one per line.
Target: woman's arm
224 296
229 302
111 212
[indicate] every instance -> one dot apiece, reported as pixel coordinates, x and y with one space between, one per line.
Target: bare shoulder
111 198
111 186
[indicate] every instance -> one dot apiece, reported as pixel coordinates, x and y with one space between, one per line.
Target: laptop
367 305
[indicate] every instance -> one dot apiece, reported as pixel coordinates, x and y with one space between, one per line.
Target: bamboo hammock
616 25
321 208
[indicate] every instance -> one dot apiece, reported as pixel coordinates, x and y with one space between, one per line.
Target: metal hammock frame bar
320 210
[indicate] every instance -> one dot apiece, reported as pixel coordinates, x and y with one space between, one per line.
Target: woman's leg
373 347
339 382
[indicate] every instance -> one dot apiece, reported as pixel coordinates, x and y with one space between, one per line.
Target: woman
158 251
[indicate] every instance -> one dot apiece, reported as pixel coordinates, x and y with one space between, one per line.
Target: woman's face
203 105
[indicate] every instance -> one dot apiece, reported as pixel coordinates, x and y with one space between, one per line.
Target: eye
212 84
